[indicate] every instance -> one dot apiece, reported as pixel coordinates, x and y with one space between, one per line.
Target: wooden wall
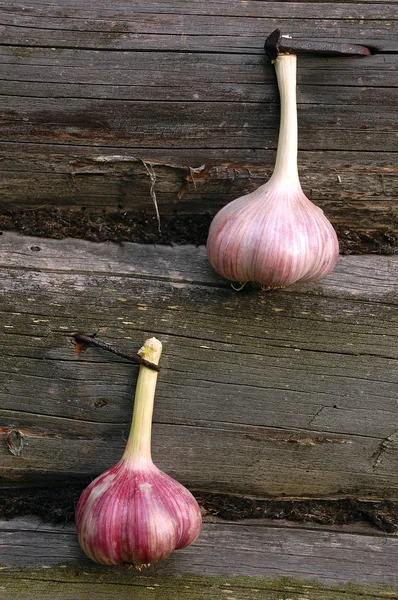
289 393
292 393
88 90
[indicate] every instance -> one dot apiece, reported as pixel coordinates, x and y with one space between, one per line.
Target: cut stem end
138 446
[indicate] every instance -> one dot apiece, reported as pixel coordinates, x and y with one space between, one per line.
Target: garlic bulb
275 235
134 512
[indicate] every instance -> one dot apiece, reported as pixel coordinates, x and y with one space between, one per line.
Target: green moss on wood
70 582
22 52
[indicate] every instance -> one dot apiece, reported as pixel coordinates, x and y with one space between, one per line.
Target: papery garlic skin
134 512
272 237
275 236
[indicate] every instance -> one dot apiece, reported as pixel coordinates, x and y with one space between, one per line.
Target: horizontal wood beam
355 191
192 125
242 560
214 26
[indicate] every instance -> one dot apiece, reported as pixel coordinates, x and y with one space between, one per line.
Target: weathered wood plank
192 77
121 86
176 29
365 278
192 125
242 549
301 381
357 190
381 37
55 585
351 9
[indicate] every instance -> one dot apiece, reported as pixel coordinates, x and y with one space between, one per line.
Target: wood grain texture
289 393
359 195
189 86
192 125
225 26
245 555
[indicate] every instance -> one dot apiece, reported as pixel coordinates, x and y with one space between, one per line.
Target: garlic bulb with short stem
134 512
275 235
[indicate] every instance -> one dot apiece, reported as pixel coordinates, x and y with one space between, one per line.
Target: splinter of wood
276 44
82 340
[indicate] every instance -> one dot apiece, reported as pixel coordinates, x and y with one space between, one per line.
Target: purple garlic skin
134 512
137 514
275 235
272 237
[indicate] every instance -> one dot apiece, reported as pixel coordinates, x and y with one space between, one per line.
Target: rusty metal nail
83 340
276 44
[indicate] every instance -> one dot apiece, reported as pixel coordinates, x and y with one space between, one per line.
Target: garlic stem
286 156
138 446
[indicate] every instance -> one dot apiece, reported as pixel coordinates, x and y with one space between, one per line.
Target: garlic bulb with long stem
134 512
275 235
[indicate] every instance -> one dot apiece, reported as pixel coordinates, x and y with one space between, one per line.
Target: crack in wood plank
385 445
